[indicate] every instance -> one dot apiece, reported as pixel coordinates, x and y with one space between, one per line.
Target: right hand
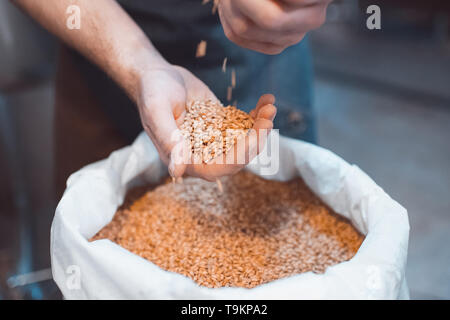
269 26
163 94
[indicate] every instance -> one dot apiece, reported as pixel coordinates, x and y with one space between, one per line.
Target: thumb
171 143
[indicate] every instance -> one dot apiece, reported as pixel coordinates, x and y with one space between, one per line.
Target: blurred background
382 98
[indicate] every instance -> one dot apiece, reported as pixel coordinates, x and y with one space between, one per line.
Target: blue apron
175 27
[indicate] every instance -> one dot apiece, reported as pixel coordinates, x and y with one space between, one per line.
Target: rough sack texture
211 129
254 232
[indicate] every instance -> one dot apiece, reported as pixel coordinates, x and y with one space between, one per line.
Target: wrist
139 60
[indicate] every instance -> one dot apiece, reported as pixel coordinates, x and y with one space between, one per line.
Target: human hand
270 26
163 94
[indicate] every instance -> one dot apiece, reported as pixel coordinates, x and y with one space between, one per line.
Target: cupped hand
270 26
163 94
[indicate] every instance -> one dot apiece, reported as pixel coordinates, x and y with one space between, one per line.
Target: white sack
104 270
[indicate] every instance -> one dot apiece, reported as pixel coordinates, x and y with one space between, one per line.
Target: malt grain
211 129
254 232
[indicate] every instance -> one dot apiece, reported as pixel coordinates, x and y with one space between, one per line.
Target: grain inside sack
254 232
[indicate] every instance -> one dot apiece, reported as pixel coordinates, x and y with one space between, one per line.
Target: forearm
108 37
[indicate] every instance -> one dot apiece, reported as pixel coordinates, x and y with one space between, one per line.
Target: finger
180 119
266 14
262 127
244 27
179 113
272 15
263 100
178 110
304 3
266 112
246 148
266 98
262 47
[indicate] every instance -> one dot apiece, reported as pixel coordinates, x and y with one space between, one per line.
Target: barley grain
229 93
219 185
201 49
224 65
233 78
254 232
212 130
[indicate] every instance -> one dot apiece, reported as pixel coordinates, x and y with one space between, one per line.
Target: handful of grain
211 129
254 232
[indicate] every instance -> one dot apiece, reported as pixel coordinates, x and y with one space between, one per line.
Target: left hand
270 26
162 95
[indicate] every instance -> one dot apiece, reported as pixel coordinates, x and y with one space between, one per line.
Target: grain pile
212 129
254 232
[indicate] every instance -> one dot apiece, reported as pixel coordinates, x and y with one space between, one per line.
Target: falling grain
229 93
224 65
219 185
201 49
233 78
